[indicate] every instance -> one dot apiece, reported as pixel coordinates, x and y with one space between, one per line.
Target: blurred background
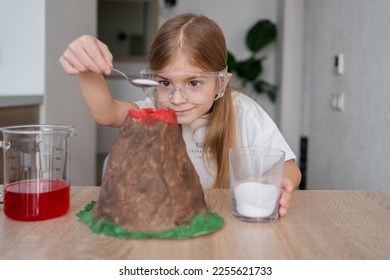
329 63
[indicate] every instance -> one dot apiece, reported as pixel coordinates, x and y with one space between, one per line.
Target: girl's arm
103 108
292 172
88 58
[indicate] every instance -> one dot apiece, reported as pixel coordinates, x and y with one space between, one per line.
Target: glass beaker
36 171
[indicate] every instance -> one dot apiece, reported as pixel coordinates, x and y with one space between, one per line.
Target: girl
188 58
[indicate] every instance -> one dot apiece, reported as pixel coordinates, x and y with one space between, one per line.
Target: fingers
105 52
86 54
71 64
285 198
284 203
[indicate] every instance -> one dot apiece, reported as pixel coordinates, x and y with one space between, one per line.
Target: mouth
182 112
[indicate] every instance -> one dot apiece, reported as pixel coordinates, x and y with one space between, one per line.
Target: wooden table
319 225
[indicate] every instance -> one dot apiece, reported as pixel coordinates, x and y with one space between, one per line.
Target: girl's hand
287 189
86 54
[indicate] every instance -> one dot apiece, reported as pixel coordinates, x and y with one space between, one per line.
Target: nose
177 98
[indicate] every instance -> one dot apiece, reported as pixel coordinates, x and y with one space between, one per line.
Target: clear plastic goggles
196 87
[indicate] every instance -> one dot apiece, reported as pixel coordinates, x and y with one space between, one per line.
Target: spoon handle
121 73
138 82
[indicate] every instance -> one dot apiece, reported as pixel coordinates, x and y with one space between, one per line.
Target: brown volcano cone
150 183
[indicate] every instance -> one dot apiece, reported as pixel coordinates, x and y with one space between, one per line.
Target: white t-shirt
254 128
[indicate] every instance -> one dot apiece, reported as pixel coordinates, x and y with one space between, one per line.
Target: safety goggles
194 87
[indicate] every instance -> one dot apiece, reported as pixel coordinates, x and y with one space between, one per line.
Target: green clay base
200 224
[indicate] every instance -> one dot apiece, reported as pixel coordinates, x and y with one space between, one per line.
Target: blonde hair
203 42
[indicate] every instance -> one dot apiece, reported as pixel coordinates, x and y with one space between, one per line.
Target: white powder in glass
256 199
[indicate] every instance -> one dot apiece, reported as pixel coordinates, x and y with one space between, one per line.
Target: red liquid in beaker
36 199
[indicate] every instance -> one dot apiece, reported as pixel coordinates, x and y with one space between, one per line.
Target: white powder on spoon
145 82
256 199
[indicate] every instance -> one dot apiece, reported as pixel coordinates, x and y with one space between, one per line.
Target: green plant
261 34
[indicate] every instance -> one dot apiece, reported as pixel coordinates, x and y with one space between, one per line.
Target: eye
165 83
195 84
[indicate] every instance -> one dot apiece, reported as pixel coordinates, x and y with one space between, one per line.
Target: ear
226 80
228 77
222 86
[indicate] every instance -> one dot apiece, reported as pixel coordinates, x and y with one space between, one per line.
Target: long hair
203 42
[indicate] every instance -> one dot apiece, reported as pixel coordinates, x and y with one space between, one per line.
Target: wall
289 71
348 149
22 46
63 102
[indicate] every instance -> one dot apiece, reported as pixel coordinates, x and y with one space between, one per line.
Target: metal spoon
138 82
